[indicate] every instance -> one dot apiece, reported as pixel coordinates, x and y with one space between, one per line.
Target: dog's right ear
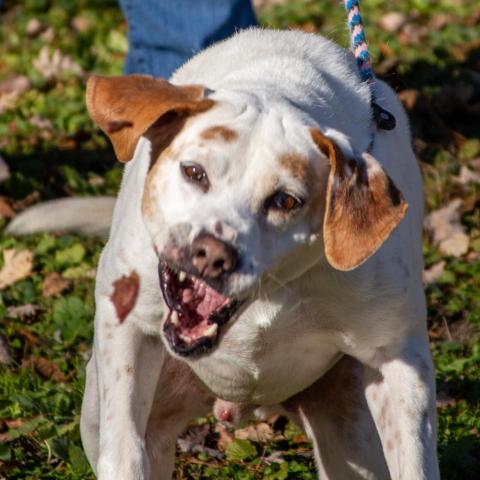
363 206
126 107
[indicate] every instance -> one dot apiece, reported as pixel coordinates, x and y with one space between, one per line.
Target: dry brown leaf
6 211
466 176
54 284
51 66
446 230
45 367
260 432
5 357
81 24
23 311
42 123
432 274
266 3
10 89
34 27
225 437
17 266
30 199
393 21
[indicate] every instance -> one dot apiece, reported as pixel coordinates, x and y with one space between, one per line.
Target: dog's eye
195 173
284 201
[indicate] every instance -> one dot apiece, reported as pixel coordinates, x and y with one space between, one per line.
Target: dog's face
239 197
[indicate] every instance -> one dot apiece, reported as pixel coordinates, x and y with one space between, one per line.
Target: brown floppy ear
125 107
362 206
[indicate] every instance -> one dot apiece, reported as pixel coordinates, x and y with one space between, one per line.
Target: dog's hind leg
178 399
336 417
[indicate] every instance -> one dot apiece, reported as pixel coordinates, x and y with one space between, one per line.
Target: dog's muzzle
192 292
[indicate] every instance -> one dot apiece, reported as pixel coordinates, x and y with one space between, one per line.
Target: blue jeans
163 34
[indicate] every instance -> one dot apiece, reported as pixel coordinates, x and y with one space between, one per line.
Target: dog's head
240 196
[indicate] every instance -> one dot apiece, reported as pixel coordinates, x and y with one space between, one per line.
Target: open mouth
196 311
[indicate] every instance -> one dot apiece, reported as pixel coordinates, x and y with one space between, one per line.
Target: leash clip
384 119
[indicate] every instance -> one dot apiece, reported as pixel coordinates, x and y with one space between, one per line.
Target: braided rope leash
358 43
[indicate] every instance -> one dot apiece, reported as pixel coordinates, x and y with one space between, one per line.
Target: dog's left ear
126 107
362 206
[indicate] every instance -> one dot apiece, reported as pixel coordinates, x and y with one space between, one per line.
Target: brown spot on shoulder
125 293
128 369
219 132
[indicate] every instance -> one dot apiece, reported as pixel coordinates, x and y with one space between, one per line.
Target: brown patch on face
219 132
126 107
363 206
296 165
124 296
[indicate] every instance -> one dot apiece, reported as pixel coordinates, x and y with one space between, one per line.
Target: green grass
60 153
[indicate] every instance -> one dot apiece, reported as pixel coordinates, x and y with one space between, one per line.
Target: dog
261 255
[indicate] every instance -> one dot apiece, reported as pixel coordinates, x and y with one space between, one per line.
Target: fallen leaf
23 311
412 33
194 439
42 123
260 432
15 84
434 272
475 163
266 3
225 437
34 27
45 367
393 21
409 98
5 357
10 89
446 230
30 199
81 24
54 284
6 211
440 20
51 66
466 176
17 266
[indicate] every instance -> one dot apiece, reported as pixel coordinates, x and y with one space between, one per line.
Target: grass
53 150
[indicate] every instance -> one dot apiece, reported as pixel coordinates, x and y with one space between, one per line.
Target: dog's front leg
400 392
128 363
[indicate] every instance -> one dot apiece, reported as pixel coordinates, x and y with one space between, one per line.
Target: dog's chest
267 355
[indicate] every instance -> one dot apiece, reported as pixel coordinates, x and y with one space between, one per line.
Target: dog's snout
213 257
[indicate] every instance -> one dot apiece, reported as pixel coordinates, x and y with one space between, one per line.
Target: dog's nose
213 257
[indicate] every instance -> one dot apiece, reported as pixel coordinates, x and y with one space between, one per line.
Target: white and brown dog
289 265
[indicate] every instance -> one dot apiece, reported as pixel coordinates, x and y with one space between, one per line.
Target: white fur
270 87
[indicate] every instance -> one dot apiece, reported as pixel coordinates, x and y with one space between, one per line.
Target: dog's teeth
174 319
211 331
184 338
182 276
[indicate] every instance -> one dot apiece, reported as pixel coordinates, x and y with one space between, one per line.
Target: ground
428 50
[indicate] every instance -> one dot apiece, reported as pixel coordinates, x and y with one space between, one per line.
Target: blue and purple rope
358 43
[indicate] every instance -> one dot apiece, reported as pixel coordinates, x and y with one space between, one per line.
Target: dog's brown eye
195 173
284 201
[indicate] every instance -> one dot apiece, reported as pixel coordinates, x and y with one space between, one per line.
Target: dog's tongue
200 300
